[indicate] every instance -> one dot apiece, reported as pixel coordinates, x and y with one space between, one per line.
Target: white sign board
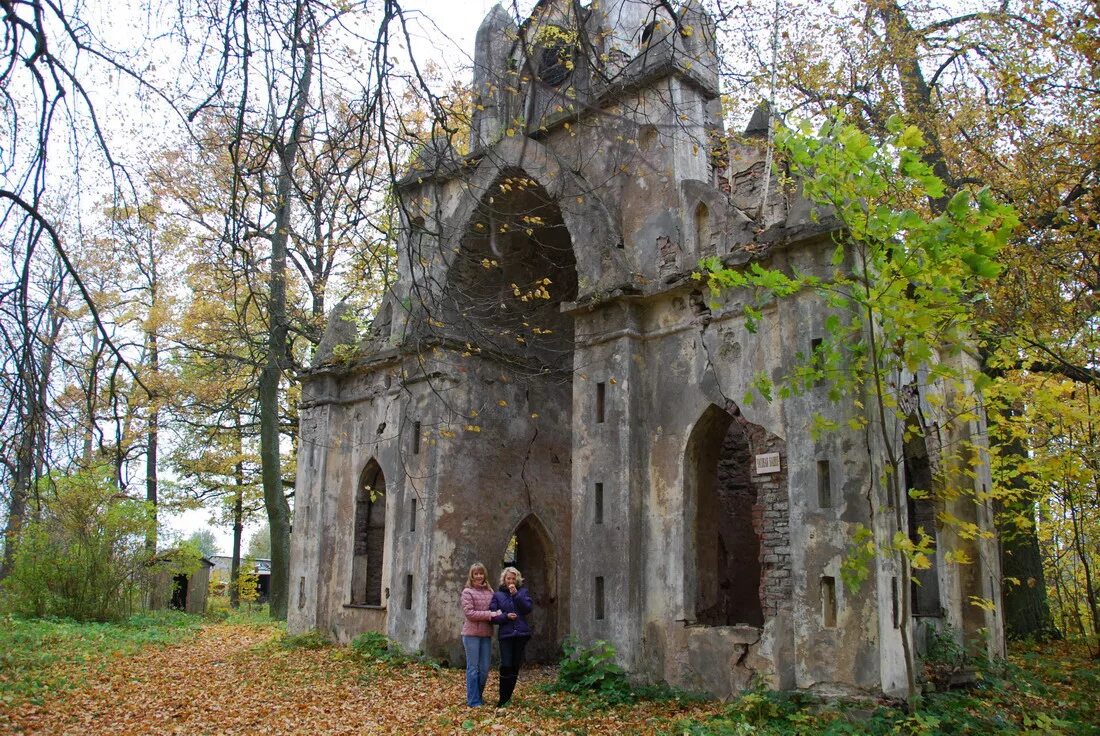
767 463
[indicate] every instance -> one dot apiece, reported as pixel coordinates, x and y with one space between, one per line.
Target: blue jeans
478 650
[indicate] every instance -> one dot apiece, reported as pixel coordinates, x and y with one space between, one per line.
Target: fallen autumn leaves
233 679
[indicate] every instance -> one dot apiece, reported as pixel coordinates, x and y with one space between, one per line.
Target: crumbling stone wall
602 403
748 523
772 519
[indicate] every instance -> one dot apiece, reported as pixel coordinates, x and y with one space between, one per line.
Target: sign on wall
767 463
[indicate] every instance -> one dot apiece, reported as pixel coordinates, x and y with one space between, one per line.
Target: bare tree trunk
151 483
91 396
917 95
238 518
896 499
21 482
1086 566
278 510
1026 609
34 391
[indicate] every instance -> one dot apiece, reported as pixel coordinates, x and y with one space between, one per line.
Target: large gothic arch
368 537
731 527
512 269
596 237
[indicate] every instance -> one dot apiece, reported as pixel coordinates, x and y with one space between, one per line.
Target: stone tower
547 385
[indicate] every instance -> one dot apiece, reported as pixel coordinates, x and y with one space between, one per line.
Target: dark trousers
511 660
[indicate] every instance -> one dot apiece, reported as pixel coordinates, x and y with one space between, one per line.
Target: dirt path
236 680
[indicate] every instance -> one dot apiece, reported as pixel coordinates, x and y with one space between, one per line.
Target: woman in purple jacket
513 603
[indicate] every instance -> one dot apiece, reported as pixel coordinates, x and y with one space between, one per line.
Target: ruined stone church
547 385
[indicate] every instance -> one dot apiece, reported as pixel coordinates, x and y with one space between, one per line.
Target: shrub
591 673
82 554
590 670
312 639
761 705
248 582
374 646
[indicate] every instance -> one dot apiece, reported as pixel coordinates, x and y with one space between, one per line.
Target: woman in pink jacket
477 632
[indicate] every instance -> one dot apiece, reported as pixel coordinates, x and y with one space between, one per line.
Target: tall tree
1003 93
304 173
30 328
54 133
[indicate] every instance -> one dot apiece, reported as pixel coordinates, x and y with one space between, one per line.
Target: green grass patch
251 616
38 656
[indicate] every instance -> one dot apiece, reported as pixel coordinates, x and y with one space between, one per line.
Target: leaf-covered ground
170 677
234 679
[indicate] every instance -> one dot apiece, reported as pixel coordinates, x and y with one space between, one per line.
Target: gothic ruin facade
547 384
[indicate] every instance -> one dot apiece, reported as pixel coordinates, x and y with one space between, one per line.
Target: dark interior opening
531 551
369 537
726 544
514 269
922 516
179 593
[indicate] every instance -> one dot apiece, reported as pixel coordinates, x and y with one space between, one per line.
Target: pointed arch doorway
530 549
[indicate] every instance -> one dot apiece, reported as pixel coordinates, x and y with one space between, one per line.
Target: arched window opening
724 551
511 275
647 137
702 227
531 551
922 519
369 537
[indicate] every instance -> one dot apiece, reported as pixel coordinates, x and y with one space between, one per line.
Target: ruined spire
758 124
491 52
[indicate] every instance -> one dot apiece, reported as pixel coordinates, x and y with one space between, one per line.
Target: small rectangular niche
408 592
824 485
412 515
894 602
817 360
599 599
601 402
599 503
416 438
828 602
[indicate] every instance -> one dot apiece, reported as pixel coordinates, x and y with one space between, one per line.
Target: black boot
508 678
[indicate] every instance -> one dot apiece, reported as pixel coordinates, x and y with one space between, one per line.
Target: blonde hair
519 576
470 575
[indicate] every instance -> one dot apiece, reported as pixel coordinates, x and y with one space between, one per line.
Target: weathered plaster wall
664 360
643 196
467 507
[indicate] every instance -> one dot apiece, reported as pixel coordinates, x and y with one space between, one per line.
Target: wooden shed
180 591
